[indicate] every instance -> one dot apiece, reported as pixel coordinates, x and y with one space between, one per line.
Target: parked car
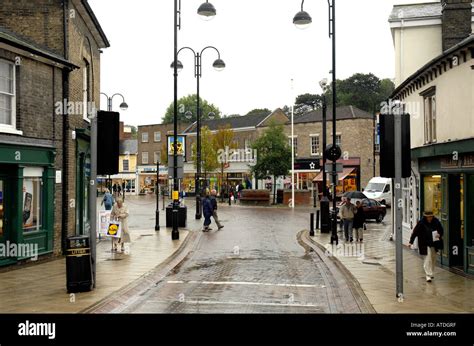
374 210
379 189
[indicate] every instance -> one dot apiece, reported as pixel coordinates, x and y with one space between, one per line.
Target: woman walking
120 213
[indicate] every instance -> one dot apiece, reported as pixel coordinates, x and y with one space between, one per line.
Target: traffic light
108 142
387 146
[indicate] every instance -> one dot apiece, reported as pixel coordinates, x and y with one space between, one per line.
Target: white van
379 189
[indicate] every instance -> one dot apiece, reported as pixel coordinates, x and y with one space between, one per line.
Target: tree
364 91
223 141
307 102
274 154
189 103
259 111
208 152
134 132
164 154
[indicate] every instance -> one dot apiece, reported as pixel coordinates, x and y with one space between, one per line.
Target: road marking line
211 302
245 283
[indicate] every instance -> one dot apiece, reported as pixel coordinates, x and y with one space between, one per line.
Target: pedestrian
214 209
119 190
429 232
359 220
108 200
120 213
348 211
207 211
114 189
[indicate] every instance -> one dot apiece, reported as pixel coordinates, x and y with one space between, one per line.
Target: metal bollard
317 219
311 227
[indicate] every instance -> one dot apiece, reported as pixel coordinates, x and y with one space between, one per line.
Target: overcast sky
262 49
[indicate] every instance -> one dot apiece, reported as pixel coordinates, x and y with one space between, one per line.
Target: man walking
429 232
348 211
214 209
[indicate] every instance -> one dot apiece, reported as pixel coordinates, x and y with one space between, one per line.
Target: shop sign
465 161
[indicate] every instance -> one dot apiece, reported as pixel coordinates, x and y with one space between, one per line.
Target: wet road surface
256 264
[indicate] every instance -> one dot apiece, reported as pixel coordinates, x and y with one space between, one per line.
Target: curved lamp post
207 11
302 20
218 65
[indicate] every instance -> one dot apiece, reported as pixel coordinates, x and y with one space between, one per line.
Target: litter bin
182 215
78 265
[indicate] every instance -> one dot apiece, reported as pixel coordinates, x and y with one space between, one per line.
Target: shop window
32 203
315 145
144 137
432 194
7 95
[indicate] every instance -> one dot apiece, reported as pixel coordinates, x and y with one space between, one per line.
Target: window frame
128 165
147 158
147 137
11 128
154 136
429 115
318 145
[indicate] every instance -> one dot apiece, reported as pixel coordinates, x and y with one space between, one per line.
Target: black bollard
317 219
311 227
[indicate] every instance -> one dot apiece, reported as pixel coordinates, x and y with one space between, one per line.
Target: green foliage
208 151
273 153
259 111
189 103
307 102
364 91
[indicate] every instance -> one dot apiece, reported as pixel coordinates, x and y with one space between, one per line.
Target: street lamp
207 11
218 65
123 106
302 19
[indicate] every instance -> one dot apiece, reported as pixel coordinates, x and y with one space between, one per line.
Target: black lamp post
324 204
208 11
157 212
302 20
218 65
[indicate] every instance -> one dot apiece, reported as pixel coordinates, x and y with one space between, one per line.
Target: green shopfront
27 178
447 188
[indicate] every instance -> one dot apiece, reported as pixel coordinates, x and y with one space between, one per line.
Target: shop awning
342 176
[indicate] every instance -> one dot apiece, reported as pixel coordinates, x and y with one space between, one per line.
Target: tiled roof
344 112
234 122
414 11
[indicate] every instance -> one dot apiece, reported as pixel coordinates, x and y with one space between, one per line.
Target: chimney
456 17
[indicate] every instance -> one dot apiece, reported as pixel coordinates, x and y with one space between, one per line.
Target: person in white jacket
120 213
347 212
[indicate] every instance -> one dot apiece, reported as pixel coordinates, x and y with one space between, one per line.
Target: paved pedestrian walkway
41 288
375 272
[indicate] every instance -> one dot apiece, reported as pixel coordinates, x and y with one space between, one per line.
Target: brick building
49 79
355 136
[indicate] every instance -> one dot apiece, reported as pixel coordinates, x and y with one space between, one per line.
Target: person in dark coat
207 210
359 220
429 232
